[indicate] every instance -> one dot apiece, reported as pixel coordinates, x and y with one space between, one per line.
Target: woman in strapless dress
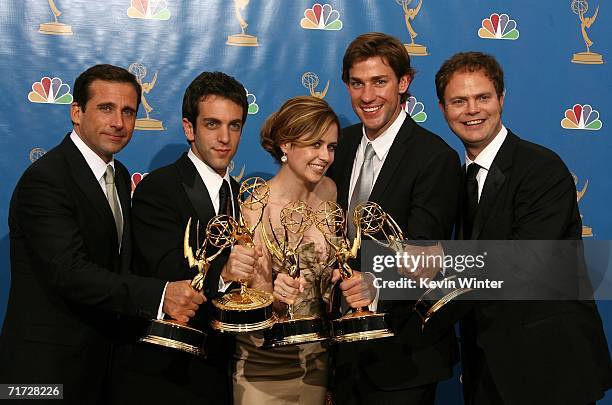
302 138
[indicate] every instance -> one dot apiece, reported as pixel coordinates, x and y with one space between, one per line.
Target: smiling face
375 93
310 163
107 120
216 135
472 109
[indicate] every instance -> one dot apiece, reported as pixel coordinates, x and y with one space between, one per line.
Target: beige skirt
284 375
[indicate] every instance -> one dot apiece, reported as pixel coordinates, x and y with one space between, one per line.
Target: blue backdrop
557 92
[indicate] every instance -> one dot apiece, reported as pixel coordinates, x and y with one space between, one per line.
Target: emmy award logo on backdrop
238 177
145 124
310 80
580 8
36 153
587 231
410 14
242 39
56 27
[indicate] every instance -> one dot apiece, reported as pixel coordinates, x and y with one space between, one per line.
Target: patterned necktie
113 200
363 186
225 205
471 199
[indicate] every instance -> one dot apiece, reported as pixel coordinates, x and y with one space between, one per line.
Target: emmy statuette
587 231
373 222
246 309
242 39
55 27
179 335
295 218
580 8
361 324
413 48
310 80
148 123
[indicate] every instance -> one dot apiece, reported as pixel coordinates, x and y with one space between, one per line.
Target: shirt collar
383 142
211 178
486 157
95 162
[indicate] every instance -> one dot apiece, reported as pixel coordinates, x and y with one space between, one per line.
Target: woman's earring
284 158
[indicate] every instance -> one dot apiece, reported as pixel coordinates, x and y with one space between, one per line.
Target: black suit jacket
162 204
418 185
538 352
68 279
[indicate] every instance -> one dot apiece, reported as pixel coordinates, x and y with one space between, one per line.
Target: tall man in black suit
70 234
196 186
415 177
527 352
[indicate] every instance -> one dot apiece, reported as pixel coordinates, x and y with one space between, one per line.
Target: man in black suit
415 177
70 236
214 113
518 352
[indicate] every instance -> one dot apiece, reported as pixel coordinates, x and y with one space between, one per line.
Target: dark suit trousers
361 391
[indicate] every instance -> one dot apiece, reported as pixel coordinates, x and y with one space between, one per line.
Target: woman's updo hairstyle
298 116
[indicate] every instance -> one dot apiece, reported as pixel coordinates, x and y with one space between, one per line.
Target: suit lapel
393 160
346 164
235 188
463 200
85 180
123 192
493 183
194 188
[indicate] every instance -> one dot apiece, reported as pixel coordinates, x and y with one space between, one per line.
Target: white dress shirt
381 145
486 157
213 181
95 163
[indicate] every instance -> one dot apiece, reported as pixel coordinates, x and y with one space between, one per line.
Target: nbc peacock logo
321 17
252 102
149 9
136 178
498 26
581 117
50 91
415 109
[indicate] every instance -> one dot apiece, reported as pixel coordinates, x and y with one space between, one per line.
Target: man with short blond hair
519 352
